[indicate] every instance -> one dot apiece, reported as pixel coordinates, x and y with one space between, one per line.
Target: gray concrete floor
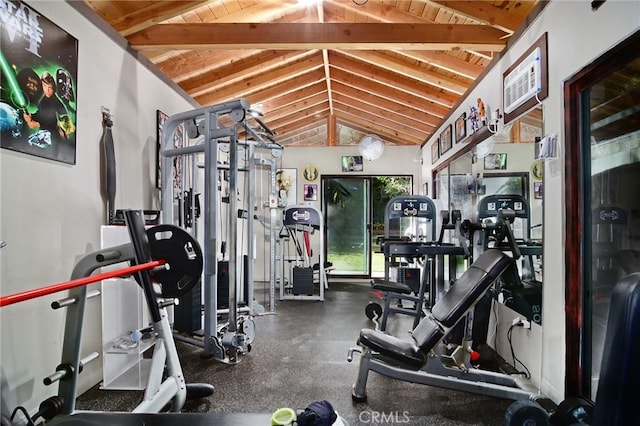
299 356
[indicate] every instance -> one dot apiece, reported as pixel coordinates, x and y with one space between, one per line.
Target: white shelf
123 311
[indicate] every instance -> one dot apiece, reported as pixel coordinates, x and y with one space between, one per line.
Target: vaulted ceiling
323 71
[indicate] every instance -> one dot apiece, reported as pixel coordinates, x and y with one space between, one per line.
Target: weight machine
422 249
500 213
164 255
217 126
302 220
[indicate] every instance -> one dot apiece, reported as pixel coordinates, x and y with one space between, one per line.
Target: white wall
51 212
576 36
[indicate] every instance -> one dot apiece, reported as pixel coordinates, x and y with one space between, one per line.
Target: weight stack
187 314
302 280
223 284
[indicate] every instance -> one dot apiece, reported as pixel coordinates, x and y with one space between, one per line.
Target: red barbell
54 288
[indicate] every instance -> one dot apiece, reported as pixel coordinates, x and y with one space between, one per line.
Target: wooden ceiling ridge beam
253 84
325 60
263 62
352 79
326 35
394 80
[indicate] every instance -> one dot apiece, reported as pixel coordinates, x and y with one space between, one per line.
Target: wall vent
523 83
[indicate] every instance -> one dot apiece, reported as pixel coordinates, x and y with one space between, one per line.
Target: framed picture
461 127
178 142
287 183
446 140
537 190
495 162
352 163
435 151
39 81
310 192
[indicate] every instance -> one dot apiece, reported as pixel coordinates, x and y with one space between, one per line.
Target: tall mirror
497 171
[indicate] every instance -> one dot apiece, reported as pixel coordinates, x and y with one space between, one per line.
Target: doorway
354 208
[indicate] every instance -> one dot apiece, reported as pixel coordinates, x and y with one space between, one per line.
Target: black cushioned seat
407 353
470 286
473 283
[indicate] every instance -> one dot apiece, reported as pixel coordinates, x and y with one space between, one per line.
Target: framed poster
446 140
352 163
287 183
435 151
39 63
178 142
537 190
310 192
495 162
461 127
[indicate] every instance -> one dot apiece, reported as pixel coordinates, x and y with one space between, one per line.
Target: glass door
346 205
354 209
603 203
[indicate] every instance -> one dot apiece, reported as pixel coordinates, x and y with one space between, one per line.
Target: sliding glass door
354 209
347 216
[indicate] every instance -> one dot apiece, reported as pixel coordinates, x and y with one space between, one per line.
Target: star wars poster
39 64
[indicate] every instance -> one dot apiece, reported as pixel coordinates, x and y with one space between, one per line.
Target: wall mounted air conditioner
523 83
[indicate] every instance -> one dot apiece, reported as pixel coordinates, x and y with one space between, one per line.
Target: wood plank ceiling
324 72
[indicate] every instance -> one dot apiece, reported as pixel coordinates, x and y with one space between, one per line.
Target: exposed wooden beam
419 117
287 100
150 14
287 86
399 66
188 64
356 122
250 85
486 12
260 63
445 62
292 36
379 122
394 80
436 111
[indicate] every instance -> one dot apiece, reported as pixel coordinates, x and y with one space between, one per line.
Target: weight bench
422 360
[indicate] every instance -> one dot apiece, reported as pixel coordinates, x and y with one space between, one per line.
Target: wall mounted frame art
38 101
352 163
435 151
287 183
446 140
461 127
178 142
496 161
310 192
